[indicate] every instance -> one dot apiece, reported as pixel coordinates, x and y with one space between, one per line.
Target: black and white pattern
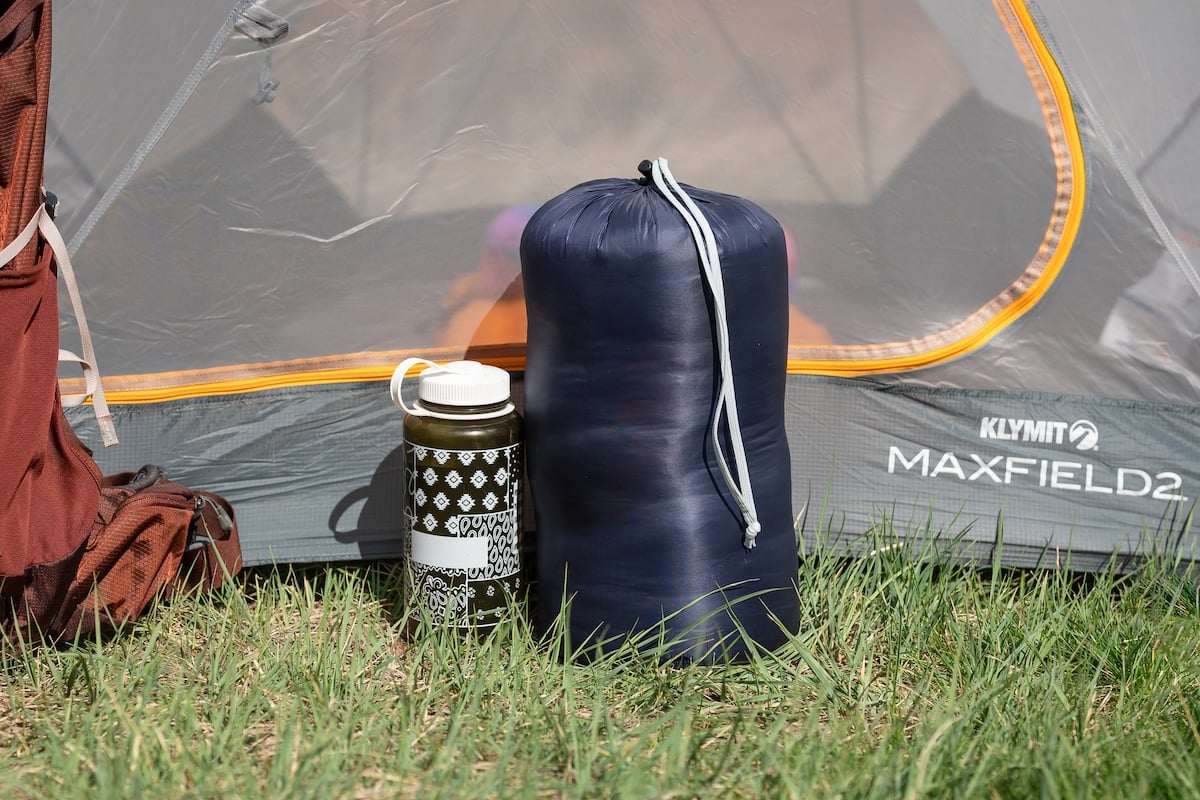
468 495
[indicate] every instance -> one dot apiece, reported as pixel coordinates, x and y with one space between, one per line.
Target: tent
991 206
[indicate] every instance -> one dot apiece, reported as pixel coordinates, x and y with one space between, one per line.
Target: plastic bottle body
463 514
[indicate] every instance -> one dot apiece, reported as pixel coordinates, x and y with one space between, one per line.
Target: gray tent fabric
990 207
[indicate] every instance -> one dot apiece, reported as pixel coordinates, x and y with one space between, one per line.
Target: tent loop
266 28
267 82
710 260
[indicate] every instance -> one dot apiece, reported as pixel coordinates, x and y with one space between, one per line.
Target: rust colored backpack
78 552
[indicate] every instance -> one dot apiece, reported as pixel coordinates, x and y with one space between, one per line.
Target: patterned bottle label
463 527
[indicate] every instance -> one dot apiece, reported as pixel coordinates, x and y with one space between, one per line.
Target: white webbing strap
710 260
94 388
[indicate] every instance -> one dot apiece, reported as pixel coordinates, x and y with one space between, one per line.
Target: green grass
909 678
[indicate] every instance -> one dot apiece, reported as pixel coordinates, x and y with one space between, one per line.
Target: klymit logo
1081 433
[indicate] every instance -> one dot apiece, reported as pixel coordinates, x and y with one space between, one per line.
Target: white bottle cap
464 383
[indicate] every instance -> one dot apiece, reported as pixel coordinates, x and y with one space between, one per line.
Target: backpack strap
94 388
15 14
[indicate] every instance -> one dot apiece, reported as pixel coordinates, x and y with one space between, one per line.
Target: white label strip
449 552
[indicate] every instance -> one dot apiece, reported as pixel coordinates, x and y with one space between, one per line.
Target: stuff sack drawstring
710 260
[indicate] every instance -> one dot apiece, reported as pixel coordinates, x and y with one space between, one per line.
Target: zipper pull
223 518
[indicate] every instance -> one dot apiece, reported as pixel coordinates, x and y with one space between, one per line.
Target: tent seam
160 126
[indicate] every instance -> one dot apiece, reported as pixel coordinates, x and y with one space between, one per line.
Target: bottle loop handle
398 385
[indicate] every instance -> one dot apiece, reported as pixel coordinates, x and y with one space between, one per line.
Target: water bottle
462 511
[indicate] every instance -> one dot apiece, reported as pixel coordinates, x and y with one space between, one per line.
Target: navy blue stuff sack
654 402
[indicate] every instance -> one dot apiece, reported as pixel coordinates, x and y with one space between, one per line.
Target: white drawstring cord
710 260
